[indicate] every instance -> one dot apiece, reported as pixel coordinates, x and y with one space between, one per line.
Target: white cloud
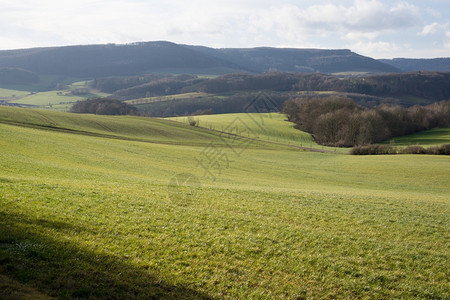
357 36
363 19
365 16
434 13
404 15
435 29
370 25
374 48
429 29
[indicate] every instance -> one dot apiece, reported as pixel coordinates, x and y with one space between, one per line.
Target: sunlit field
271 127
433 137
96 207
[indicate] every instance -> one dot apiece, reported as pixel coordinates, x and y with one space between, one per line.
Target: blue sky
377 28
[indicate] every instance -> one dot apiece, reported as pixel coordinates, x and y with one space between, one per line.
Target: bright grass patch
9 93
433 137
175 97
272 127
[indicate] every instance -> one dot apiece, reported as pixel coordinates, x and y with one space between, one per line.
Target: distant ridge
419 64
264 59
166 57
110 59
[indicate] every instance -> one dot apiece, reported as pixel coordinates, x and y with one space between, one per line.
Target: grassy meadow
9 93
433 137
272 127
48 98
59 100
87 211
175 97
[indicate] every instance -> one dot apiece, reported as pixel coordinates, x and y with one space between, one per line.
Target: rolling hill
264 59
441 64
110 214
231 93
128 128
152 57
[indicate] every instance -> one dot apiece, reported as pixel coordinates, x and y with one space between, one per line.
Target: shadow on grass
63 270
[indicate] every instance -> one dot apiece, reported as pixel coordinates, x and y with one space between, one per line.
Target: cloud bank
379 28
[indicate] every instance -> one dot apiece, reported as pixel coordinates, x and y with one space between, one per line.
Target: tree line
389 149
236 103
103 106
339 121
432 86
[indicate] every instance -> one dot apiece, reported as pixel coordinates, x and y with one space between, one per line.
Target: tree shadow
63 270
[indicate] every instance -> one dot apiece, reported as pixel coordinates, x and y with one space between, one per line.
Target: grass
271 127
433 137
127 128
11 289
45 83
350 73
316 92
59 100
141 101
59 107
80 84
48 98
85 216
9 93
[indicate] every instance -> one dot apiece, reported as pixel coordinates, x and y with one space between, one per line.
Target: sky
375 28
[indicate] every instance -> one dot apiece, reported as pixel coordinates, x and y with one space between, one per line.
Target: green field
141 101
46 83
272 127
433 137
8 93
48 99
59 100
87 211
131 128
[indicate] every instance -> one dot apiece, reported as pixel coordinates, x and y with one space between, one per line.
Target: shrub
192 121
103 106
439 150
433 150
373 150
388 149
444 149
415 149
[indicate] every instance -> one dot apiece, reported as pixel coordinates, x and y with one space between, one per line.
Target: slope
433 137
123 127
271 127
85 216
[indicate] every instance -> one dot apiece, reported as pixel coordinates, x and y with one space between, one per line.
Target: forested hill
264 59
109 60
189 94
152 57
415 64
433 86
